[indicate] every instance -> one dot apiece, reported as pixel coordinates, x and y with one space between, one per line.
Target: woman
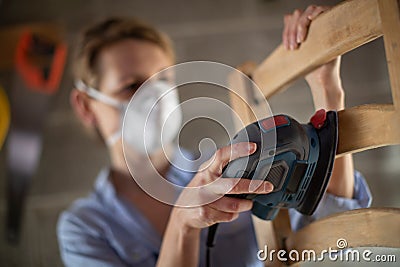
119 224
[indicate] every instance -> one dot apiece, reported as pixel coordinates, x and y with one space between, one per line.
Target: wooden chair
337 31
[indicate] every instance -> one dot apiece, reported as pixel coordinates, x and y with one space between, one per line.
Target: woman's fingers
230 204
224 186
304 23
220 208
285 33
296 25
225 209
318 10
292 31
228 208
228 153
211 216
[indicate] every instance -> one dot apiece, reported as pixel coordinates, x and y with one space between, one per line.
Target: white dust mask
152 118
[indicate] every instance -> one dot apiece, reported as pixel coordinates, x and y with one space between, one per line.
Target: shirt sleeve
331 204
80 245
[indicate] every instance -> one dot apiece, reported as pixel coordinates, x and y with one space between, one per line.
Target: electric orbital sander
299 164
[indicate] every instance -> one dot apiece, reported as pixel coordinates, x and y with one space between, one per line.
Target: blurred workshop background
229 32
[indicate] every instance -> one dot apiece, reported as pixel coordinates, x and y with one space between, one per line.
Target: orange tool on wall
39 64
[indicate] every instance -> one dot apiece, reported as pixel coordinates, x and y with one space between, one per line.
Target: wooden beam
238 104
10 35
372 227
390 17
342 29
366 127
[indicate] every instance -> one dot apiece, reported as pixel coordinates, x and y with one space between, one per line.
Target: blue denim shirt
105 230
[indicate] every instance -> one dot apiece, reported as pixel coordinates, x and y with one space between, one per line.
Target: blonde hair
108 32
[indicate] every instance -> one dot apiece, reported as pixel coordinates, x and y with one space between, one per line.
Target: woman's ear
80 102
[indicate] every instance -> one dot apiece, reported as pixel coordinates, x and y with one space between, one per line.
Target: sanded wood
366 127
372 227
9 36
238 104
342 29
390 17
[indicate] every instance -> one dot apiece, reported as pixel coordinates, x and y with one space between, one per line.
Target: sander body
296 158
